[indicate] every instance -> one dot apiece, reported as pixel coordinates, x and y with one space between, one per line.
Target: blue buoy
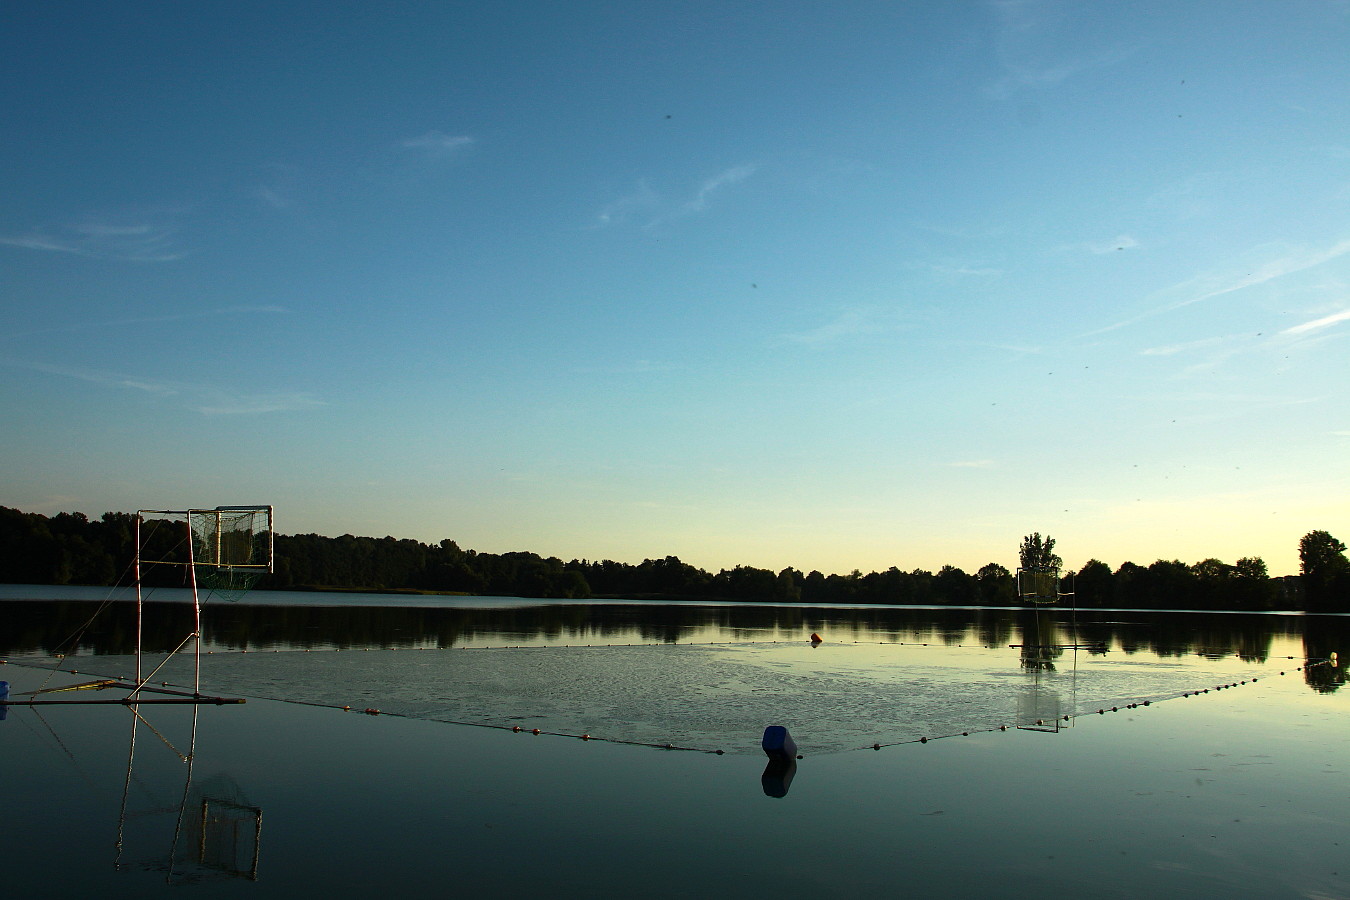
4 695
778 744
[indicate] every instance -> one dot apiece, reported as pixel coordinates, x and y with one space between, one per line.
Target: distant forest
71 548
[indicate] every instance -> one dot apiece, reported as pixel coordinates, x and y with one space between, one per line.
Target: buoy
515 727
535 731
815 638
778 744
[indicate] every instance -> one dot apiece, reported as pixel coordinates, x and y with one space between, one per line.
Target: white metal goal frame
221 539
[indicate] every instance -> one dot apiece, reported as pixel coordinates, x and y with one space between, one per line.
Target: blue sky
835 286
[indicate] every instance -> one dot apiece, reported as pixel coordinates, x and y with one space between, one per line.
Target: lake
950 752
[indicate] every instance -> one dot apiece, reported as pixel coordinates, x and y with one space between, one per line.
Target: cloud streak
1276 268
716 183
154 320
647 208
1208 287
1317 324
1027 40
134 242
207 400
436 143
1121 242
848 324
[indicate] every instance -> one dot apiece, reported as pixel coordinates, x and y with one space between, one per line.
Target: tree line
71 548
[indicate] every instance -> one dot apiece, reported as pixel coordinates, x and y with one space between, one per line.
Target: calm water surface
1234 792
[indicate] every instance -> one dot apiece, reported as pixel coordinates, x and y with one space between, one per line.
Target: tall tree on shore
1039 553
1326 571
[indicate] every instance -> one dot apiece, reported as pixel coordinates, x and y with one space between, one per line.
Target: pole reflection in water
1040 707
216 831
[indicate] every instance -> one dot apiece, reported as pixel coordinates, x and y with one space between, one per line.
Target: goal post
1038 584
226 550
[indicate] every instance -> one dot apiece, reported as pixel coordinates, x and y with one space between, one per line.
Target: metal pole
137 575
196 612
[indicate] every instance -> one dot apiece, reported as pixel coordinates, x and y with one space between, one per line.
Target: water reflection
215 831
1044 634
777 777
1325 637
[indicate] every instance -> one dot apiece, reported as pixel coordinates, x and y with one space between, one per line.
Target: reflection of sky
834 697
1222 794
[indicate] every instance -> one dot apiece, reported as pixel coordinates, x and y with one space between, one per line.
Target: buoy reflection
777 777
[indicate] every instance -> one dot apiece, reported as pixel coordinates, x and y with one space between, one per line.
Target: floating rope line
1039 724
1052 724
370 711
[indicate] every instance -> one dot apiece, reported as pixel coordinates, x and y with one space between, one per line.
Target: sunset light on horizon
831 286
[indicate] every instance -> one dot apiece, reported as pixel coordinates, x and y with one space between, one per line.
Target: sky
832 286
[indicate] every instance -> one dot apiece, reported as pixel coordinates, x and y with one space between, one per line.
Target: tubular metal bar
125 701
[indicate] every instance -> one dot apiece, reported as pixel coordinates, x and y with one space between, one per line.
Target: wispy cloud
715 184
642 202
436 143
1317 324
205 399
635 367
1029 45
963 270
1186 346
1286 264
103 324
1206 287
646 208
849 323
129 240
1121 242
220 403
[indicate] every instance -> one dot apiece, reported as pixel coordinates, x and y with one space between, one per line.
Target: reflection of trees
1323 636
1041 643
43 627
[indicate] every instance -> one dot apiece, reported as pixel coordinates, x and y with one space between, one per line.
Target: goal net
228 548
1038 585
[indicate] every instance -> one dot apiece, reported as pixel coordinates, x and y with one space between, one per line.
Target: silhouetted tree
996 584
1326 572
1039 553
1094 585
956 588
1250 585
